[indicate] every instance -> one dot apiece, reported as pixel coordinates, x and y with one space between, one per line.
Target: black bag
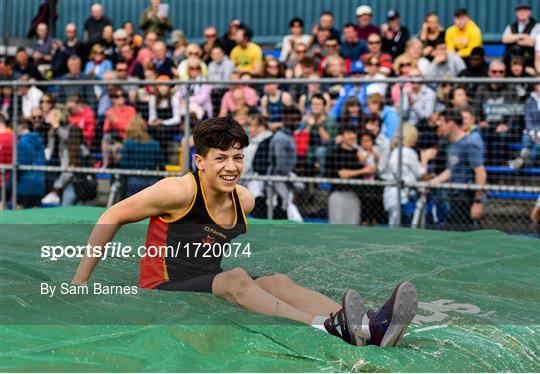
85 186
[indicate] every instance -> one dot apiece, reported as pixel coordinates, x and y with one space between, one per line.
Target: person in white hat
364 27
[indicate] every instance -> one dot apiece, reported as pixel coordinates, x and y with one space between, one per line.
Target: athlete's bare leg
312 302
238 287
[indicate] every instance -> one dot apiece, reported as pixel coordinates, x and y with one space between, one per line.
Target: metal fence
336 172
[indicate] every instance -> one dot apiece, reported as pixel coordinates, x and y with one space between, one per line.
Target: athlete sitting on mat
209 207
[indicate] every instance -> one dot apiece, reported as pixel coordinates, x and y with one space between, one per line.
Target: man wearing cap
519 36
394 35
364 27
464 35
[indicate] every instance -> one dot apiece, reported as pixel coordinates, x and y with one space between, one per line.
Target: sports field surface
479 296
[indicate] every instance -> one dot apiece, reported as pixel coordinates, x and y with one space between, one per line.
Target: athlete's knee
274 282
238 282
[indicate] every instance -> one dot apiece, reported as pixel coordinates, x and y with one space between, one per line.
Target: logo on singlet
215 232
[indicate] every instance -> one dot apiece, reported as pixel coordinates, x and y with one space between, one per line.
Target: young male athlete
209 207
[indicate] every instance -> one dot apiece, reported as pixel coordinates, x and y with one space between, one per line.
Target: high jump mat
479 302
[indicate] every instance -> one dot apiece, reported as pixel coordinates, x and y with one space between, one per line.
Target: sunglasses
115 96
496 71
194 68
405 64
331 45
37 118
373 64
121 70
210 35
300 51
99 52
45 102
374 42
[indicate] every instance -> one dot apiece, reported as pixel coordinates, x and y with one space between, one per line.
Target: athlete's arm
246 198
169 196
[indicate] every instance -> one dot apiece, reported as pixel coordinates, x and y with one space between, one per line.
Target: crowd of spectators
340 130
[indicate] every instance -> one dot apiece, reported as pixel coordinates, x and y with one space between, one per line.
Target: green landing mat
478 312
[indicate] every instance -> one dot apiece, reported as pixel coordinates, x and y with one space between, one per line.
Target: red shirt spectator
81 116
119 116
6 145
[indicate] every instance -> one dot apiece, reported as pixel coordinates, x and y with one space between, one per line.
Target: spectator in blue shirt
388 115
140 152
358 90
465 164
30 151
352 46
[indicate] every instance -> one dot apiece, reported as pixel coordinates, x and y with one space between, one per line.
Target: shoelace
337 327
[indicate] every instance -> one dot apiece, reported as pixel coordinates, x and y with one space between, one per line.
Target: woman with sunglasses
413 55
194 51
200 101
117 120
46 104
97 66
402 66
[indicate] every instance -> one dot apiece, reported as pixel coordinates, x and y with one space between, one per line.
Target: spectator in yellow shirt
246 56
464 35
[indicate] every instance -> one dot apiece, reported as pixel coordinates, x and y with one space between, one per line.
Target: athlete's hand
477 211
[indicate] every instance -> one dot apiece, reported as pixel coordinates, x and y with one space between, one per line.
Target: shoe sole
405 306
353 310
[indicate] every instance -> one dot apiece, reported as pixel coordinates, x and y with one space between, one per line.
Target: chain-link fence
447 153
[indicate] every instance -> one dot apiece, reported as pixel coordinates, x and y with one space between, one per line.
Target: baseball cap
363 9
392 14
357 67
522 6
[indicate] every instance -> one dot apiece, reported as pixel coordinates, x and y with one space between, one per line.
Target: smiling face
222 169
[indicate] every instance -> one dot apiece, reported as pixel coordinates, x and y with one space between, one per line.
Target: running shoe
388 324
347 323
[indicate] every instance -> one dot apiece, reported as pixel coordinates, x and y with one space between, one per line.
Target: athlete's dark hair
220 132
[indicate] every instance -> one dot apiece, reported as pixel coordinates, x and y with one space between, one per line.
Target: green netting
479 300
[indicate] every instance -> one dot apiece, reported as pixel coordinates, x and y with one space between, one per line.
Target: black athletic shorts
201 283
